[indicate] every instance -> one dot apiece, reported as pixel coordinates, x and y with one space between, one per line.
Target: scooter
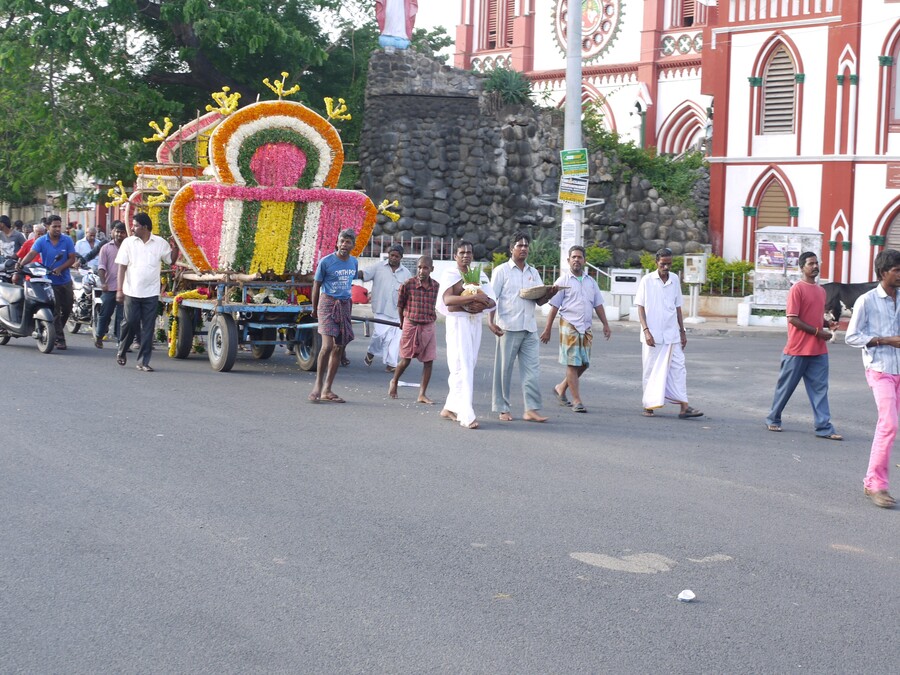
86 309
26 309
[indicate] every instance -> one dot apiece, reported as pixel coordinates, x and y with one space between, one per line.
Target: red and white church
801 99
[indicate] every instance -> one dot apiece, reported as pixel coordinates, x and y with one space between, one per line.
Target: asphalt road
193 521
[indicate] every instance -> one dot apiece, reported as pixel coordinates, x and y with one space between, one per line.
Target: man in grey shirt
10 240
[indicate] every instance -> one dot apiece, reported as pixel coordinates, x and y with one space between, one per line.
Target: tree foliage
82 78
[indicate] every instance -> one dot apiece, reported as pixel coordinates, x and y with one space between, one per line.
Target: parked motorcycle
86 308
26 308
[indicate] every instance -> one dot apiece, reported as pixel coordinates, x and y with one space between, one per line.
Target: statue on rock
396 19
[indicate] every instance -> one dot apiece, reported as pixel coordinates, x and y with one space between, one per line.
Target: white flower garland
310 133
231 224
306 258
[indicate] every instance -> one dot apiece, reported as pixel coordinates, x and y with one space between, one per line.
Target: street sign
573 190
574 162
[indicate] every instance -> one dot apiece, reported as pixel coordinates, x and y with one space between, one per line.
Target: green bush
673 179
719 274
512 85
598 256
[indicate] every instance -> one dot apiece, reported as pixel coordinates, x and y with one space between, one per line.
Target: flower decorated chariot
250 196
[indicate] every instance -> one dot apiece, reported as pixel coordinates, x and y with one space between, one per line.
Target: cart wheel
46 336
262 352
73 326
184 341
306 349
223 342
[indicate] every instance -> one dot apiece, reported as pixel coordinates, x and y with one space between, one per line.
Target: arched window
779 93
894 119
773 207
892 237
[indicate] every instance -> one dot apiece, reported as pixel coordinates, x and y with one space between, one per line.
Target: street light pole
572 227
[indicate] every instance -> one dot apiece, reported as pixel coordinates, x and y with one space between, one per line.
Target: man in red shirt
806 353
39 230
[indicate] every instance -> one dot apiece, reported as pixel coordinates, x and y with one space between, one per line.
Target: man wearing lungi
577 300
663 338
415 304
331 308
386 276
463 314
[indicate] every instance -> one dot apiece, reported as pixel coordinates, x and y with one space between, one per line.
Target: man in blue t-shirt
331 307
58 254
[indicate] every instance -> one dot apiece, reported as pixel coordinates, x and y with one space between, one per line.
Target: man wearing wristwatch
663 339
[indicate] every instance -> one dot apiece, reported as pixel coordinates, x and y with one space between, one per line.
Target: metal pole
572 137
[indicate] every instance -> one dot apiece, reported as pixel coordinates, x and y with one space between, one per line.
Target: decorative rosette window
599 26
272 206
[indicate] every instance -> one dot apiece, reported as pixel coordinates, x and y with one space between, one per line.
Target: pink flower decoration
278 164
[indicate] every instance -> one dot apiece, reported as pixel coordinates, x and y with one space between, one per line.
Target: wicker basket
533 293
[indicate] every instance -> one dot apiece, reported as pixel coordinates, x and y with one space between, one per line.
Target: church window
895 90
779 94
773 207
498 23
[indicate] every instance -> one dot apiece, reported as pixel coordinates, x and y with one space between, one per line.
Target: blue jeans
814 372
140 320
108 304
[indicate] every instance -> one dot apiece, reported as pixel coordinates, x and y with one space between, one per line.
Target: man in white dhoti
387 277
463 328
659 302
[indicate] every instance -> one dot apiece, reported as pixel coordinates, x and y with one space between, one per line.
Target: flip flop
690 412
832 437
773 427
312 398
647 412
579 408
562 399
368 359
122 360
334 398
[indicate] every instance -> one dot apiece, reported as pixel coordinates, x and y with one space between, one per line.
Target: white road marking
639 563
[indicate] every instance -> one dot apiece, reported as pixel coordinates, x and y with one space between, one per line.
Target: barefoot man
331 307
415 304
463 314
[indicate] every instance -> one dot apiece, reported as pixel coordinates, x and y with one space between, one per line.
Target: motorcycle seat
11 294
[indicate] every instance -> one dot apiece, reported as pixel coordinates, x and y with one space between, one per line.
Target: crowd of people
405 308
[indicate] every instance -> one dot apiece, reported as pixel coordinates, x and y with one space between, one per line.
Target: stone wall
464 166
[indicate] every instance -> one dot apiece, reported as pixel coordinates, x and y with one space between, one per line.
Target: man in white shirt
139 260
659 303
579 298
386 277
463 333
516 331
84 247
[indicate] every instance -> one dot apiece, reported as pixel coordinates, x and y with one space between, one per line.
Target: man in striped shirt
875 328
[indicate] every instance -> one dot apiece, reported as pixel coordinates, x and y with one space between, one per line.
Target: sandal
332 398
832 437
881 498
369 358
689 412
647 412
579 408
122 360
562 398
345 361
773 427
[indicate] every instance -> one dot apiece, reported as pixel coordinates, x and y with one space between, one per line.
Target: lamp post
572 229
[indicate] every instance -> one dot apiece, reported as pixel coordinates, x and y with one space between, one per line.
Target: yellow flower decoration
160 134
384 206
156 200
278 87
173 328
339 113
117 194
227 103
